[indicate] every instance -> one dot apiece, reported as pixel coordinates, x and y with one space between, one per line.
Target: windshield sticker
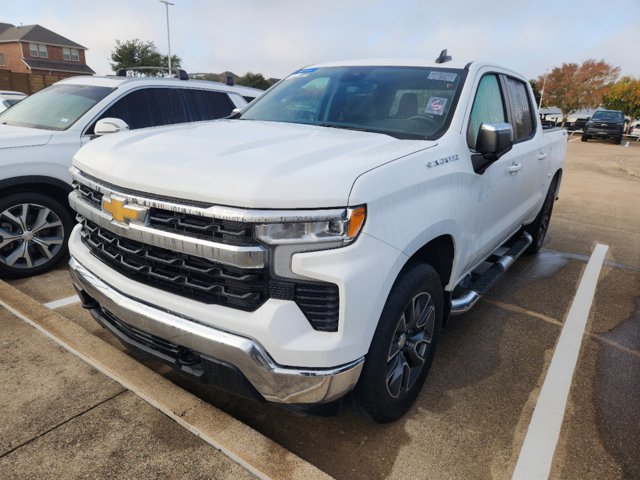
64 120
303 72
436 105
444 76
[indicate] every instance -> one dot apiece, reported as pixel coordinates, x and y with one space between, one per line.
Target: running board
467 299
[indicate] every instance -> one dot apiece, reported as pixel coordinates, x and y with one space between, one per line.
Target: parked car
318 241
9 98
39 136
634 128
605 124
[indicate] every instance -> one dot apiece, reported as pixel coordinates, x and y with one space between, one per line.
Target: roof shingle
58 66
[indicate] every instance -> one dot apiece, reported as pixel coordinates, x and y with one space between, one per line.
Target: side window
521 112
206 105
488 107
247 98
147 107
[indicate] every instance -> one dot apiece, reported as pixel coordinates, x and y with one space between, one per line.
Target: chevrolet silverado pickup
314 244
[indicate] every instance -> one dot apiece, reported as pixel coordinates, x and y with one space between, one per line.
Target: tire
538 228
585 138
617 140
402 350
34 231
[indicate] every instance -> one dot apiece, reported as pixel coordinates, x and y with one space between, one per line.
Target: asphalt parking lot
476 408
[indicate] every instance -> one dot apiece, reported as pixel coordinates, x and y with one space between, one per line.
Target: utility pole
166 4
544 82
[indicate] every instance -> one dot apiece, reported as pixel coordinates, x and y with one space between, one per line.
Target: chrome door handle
542 156
514 168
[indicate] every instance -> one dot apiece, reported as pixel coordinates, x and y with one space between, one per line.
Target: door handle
542 156
514 168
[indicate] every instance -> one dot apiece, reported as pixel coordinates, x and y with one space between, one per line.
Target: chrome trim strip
274 382
241 257
216 211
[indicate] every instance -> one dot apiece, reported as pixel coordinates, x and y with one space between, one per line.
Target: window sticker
444 76
64 120
303 72
436 105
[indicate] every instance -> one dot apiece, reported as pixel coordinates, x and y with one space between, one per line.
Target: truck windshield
608 116
55 108
404 102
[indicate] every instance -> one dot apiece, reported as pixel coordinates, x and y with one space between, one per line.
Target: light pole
544 82
166 4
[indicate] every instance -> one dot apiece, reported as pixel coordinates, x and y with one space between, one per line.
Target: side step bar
464 302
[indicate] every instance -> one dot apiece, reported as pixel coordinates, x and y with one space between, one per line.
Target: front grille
186 275
212 229
92 196
199 278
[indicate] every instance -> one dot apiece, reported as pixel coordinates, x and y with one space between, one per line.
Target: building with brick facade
33 49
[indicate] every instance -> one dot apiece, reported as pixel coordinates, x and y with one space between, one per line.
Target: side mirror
494 140
110 125
235 113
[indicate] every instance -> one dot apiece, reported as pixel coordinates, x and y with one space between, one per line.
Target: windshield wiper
345 127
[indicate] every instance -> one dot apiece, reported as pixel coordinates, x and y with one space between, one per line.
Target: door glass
521 109
488 107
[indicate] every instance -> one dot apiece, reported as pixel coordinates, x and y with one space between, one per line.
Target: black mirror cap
494 140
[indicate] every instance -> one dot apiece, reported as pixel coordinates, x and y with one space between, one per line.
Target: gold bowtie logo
121 212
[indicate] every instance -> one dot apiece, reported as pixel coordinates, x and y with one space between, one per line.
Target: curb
250 449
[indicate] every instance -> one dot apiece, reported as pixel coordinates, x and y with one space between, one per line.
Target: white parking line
63 302
539 445
574 140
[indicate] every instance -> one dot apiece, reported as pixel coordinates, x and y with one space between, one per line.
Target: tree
573 87
255 80
136 53
536 92
624 95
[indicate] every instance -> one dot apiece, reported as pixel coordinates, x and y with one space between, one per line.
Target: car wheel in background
34 230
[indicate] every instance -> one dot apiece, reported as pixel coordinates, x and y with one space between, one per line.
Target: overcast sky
275 37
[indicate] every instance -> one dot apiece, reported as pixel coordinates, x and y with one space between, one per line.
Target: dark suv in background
606 124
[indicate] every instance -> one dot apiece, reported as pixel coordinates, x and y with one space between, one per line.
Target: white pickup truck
316 243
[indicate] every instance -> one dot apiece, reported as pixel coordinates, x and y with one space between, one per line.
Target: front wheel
403 346
34 230
585 138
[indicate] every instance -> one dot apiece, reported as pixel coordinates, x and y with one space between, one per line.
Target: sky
276 37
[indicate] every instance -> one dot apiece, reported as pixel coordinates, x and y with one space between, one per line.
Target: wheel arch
49 186
438 252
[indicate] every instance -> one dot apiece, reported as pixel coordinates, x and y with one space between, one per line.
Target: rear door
529 157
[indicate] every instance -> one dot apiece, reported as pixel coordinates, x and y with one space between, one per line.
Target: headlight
342 229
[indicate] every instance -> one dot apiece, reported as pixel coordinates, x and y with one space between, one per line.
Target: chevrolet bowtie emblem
121 212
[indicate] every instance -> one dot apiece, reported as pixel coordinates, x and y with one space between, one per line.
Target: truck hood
12 136
243 163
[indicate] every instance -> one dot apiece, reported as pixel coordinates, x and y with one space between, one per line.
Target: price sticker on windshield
435 105
444 76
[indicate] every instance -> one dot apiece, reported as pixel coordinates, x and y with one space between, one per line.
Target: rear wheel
538 228
34 230
617 140
403 345
585 138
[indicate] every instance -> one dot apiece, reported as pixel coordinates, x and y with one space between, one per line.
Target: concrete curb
245 446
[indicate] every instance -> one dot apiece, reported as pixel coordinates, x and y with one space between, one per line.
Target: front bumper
131 319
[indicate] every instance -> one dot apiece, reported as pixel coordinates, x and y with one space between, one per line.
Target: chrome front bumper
274 382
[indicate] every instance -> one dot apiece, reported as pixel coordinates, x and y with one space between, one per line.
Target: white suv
40 135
